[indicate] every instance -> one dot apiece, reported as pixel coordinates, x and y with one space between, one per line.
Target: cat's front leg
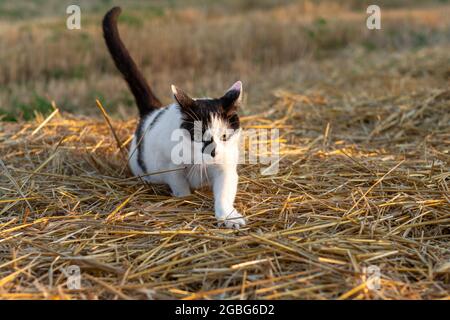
224 185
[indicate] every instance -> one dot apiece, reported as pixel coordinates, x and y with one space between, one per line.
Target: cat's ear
232 99
182 98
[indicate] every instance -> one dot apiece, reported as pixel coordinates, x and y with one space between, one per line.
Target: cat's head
214 122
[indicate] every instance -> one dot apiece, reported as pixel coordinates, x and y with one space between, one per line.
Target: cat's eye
223 137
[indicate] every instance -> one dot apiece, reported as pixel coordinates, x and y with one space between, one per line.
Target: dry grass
371 188
364 173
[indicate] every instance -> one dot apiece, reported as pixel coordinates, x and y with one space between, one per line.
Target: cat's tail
145 99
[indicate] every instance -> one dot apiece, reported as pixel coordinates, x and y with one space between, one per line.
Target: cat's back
152 141
162 123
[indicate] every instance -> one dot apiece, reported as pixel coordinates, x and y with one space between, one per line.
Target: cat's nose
209 145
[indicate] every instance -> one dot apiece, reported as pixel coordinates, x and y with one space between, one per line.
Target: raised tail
145 99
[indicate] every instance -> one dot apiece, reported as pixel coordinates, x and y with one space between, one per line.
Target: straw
359 184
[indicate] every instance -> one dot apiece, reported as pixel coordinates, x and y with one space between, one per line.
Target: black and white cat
153 146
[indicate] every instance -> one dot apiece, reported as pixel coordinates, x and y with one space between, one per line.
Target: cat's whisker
191 170
206 173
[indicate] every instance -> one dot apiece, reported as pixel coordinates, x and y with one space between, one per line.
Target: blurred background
308 47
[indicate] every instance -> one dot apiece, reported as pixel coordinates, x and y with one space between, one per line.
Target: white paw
181 193
233 220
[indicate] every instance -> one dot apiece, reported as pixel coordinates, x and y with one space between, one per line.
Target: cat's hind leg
178 184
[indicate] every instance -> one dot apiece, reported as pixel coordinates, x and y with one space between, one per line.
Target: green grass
27 110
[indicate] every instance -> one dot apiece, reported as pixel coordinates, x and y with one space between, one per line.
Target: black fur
145 99
203 109
192 110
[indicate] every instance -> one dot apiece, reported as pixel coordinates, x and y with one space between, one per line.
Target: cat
153 148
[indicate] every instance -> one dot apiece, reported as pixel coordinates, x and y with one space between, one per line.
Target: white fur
220 173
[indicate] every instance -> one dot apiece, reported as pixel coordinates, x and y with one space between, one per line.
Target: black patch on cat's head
203 110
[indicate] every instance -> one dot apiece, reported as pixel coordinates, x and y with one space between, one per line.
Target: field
364 121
